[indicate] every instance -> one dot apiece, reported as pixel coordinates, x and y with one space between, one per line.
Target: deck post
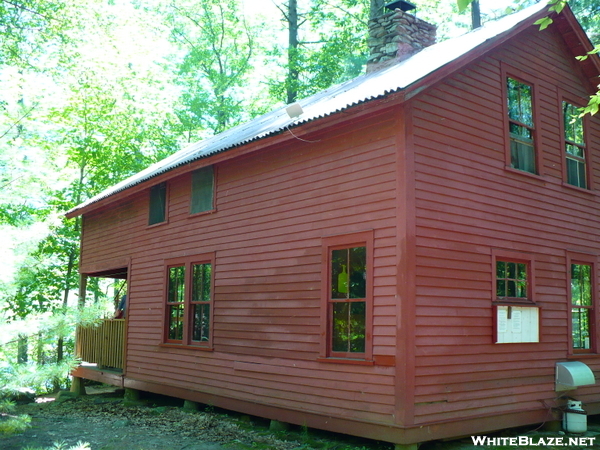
77 386
406 446
190 405
276 425
132 395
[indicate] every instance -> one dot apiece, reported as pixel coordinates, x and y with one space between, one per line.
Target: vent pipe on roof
397 35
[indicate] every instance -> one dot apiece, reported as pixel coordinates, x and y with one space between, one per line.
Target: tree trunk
41 355
293 70
475 14
377 8
23 347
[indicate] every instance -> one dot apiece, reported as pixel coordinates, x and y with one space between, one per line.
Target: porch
101 349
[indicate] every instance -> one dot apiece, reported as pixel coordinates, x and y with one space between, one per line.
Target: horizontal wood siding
273 207
468 204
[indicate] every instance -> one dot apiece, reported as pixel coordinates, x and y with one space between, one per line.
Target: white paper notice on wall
517 324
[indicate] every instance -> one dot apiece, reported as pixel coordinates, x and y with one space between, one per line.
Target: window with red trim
574 145
188 315
521 125
514 278
348 303
582 306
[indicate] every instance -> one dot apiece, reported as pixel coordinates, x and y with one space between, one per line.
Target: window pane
512 270
500 269
511 288
339 273
511 279
349 327
158 203
581 284
575 150
501 288
522 156
176 322
520 102
202 190
201 322
201 282
576 173
521 133
358 272
581 328
176 291
573 124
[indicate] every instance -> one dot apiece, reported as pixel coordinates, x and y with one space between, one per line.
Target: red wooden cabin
408 259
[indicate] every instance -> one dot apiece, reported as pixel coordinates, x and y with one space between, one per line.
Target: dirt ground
103 422
160 423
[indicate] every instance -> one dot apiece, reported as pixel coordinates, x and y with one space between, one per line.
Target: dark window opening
158 204
202 190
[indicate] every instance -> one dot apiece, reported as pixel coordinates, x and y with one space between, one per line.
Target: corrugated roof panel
332 100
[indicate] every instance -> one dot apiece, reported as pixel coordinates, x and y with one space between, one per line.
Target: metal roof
332 100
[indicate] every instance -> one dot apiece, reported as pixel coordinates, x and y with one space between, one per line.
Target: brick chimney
396 36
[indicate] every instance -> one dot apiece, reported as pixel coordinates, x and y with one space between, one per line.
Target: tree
218 48
326 44
27 26
102 121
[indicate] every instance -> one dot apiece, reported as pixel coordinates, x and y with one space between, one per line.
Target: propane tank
574 418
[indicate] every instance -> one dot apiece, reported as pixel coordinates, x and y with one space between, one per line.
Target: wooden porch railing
103 344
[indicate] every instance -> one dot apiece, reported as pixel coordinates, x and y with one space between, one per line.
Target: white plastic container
574 418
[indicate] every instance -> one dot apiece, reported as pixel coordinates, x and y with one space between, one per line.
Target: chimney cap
401 4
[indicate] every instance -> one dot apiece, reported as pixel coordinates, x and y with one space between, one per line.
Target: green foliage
10 423
463 4
27 26
328 47
38 373
588 14
218 46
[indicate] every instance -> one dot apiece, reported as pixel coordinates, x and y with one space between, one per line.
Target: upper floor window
521 125
575 150
348 301
582 306
188 301
202 195
158 204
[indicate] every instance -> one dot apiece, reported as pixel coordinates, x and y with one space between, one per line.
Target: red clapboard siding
467 204
272 209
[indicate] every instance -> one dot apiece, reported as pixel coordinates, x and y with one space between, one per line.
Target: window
582 304
348 300
513 277
521 125
158 204
188 301
202 190
575 151
511 280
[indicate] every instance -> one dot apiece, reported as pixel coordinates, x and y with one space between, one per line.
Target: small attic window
202 190
158 204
